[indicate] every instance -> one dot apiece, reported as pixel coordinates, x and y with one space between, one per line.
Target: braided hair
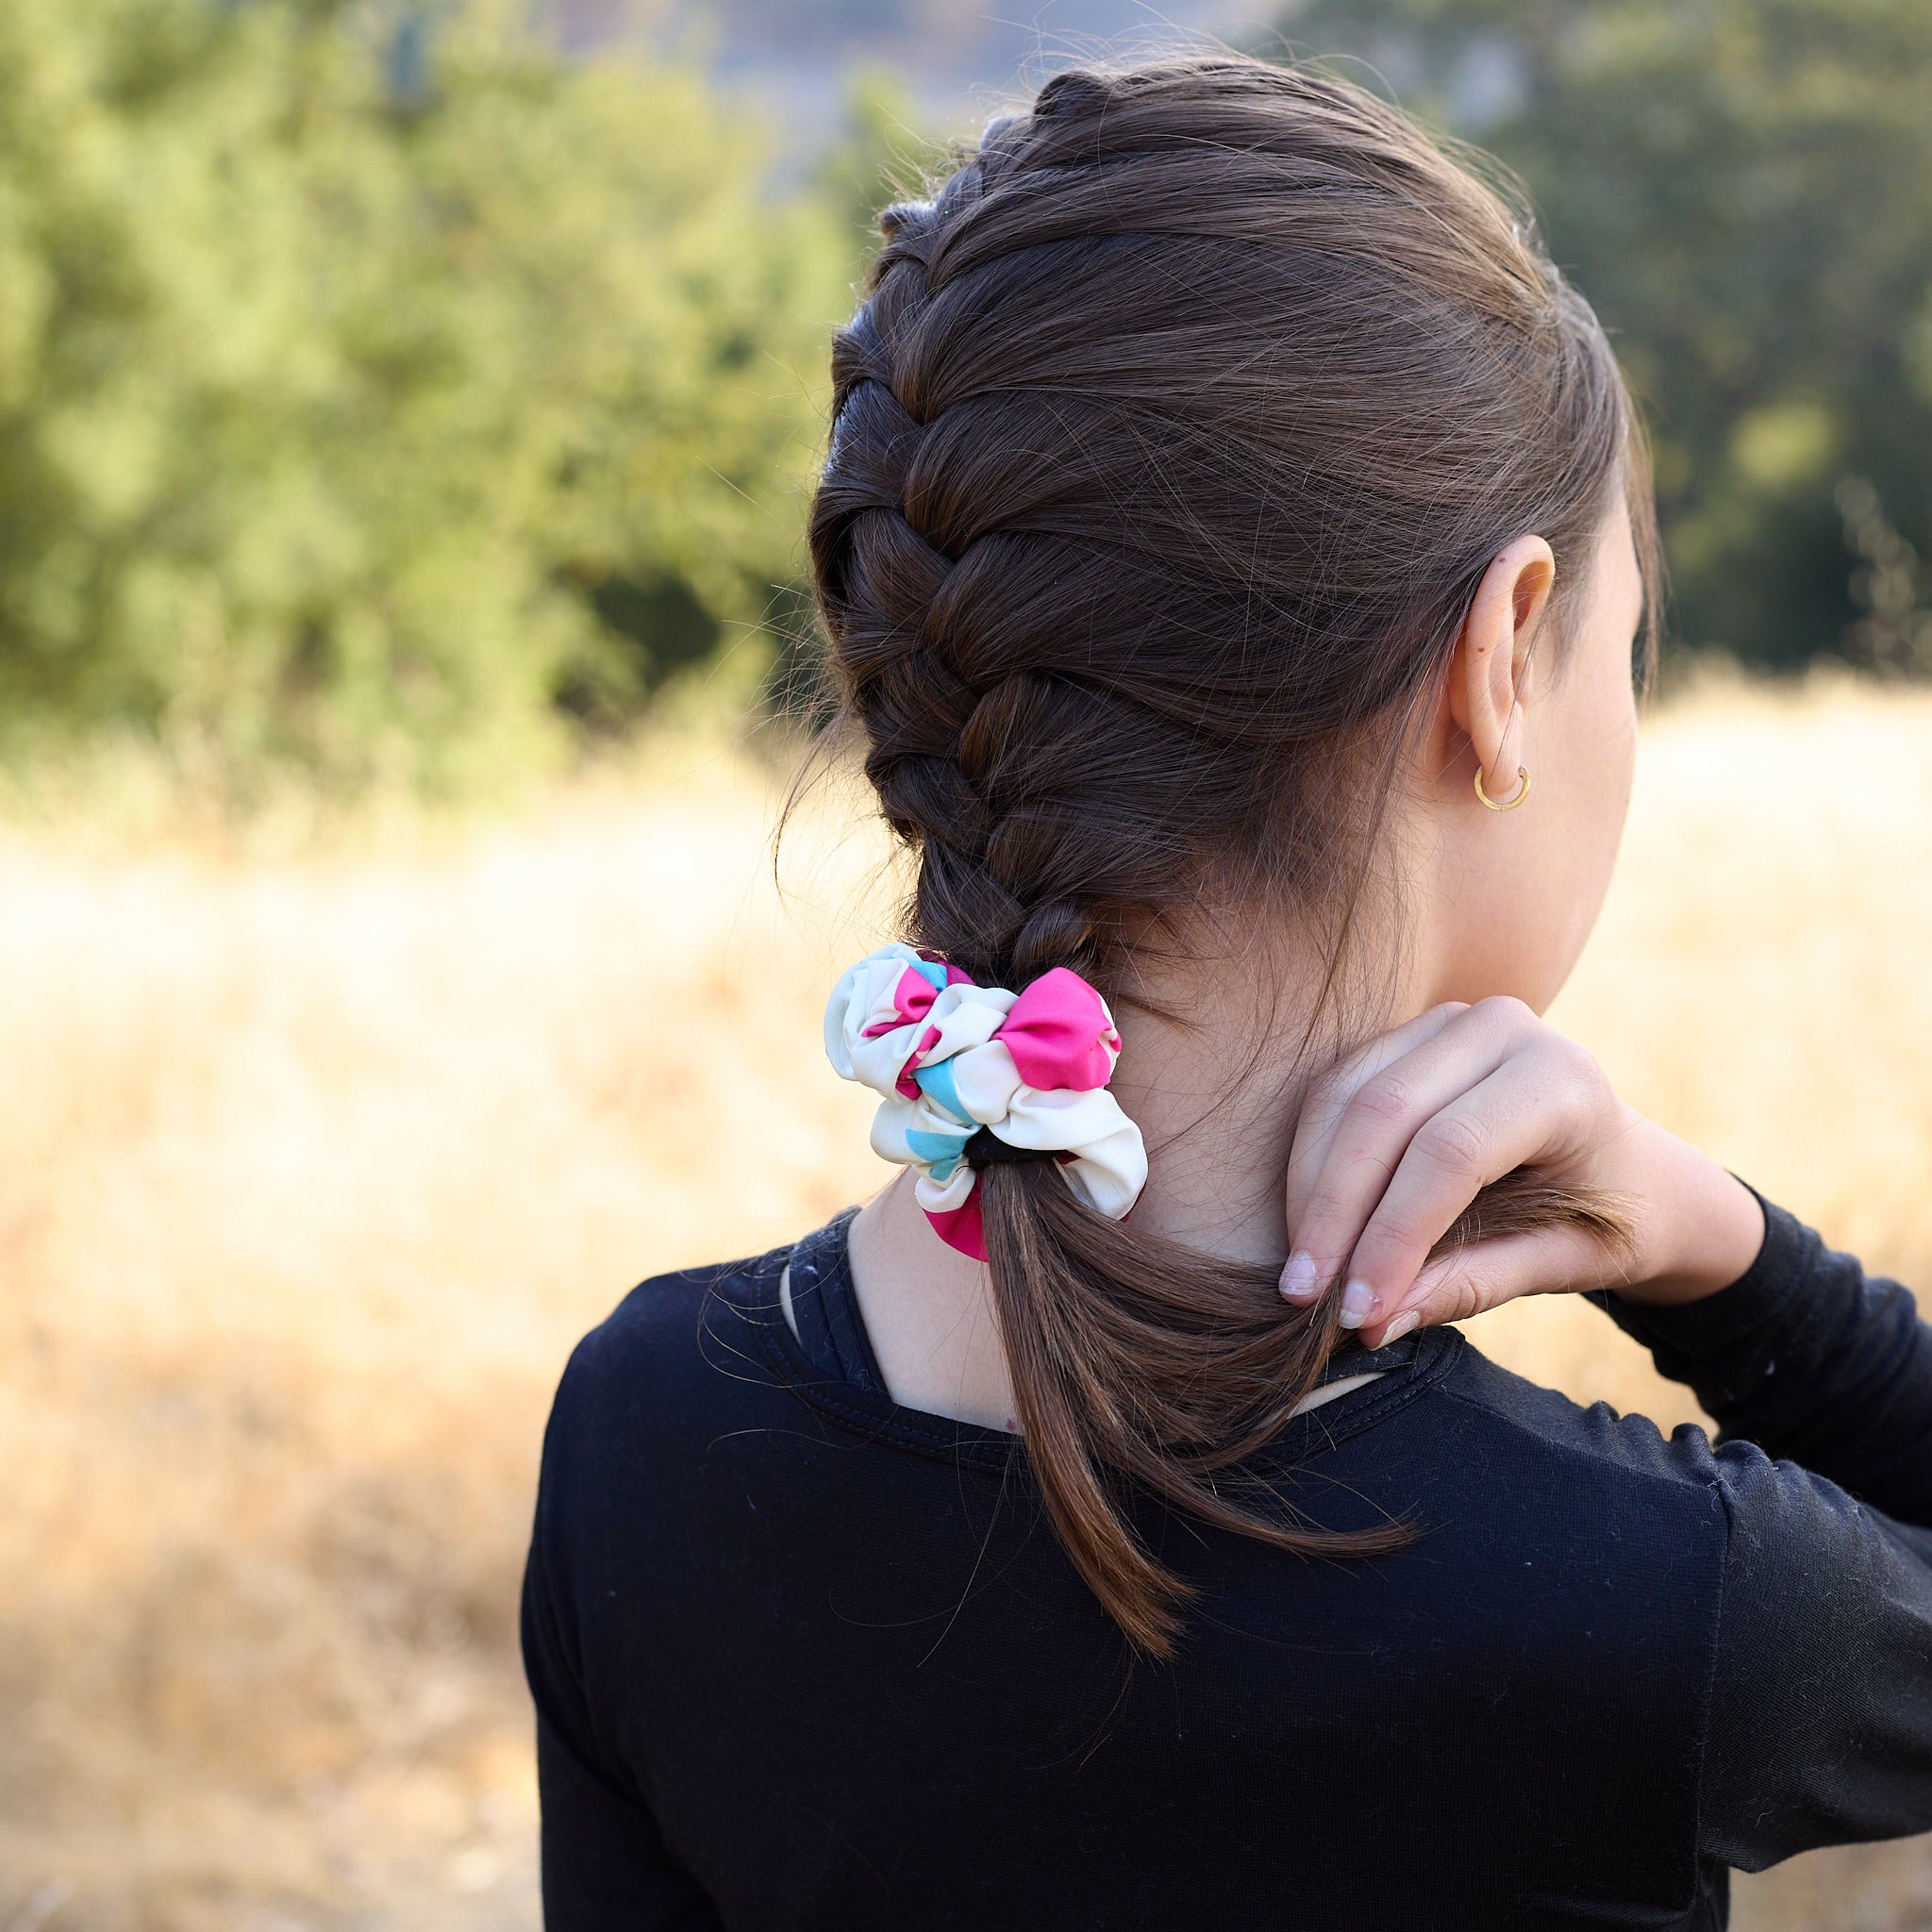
1169 446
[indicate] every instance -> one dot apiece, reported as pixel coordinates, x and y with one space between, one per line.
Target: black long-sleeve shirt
805 1659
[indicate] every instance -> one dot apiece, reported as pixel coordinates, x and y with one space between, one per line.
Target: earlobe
1515 798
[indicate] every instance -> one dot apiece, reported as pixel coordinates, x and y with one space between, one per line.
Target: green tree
376 387
1744 188
885 152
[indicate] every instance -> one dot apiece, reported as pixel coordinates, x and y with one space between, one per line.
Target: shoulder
1596 1434
1740 1519
1771 1531
677 1357
1616 1469
668 1313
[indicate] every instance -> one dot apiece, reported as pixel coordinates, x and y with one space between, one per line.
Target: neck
1215 1090
1218 1114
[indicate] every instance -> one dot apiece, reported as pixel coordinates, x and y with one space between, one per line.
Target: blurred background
407 411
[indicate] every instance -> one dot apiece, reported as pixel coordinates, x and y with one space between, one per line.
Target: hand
1396 1142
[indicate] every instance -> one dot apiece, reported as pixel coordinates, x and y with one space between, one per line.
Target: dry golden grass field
317 1155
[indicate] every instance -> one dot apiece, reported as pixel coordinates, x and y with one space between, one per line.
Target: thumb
1469 1281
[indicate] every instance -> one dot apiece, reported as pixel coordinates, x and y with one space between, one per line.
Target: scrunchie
951 1058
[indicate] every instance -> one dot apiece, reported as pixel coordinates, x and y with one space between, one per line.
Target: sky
960 58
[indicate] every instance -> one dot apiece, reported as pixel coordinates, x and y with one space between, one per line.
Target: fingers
1362 1125
1484 1276
1530 1110
1328 1101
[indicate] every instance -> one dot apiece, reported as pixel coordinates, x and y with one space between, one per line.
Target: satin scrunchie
949 1057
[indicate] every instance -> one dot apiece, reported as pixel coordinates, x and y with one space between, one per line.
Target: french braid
1168 447
921 533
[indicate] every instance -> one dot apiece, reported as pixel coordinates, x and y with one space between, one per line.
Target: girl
1232 544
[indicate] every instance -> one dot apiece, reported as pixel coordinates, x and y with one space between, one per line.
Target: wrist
1705 1226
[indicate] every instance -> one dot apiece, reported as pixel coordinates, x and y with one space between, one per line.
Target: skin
1347 1175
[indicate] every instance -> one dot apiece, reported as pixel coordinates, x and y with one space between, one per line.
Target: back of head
1169 447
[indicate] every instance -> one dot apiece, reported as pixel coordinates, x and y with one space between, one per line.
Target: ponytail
1140 1359
1141 1364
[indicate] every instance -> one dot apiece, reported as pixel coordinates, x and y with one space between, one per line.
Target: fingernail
1299 1280
1358 1302
1398 1329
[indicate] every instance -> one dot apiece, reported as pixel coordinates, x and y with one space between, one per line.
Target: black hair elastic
986 1149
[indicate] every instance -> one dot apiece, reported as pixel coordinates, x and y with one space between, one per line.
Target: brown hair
1169 447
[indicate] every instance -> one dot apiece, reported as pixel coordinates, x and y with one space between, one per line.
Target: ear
1486 699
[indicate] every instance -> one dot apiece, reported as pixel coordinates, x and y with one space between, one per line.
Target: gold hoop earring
1522 790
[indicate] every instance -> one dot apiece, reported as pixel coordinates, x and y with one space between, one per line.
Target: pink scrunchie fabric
1060 1033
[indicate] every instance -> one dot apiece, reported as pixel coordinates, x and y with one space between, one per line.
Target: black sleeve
1819 1378
1812 1360
606 1865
